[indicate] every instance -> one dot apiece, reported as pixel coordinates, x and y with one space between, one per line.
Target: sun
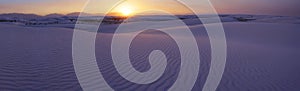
125 9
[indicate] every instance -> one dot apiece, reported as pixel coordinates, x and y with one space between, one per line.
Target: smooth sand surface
261 57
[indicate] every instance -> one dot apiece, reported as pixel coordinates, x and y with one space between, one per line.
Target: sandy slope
261 57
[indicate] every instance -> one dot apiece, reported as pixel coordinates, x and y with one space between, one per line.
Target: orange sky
43 7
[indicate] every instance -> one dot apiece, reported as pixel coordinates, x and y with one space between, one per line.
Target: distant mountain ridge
54 15
19 15
34 16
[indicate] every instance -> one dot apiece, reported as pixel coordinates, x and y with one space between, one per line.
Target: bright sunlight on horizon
125 9
44 7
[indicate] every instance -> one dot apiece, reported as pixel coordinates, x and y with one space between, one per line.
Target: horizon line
102 14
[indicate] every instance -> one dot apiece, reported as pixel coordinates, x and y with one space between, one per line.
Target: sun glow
125 9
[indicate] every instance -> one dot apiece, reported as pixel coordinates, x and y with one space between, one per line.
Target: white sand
261 57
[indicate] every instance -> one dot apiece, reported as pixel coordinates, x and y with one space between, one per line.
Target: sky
263 7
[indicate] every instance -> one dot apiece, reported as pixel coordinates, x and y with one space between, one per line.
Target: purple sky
277 7
271 7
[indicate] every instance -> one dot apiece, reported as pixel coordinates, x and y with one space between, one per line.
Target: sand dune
261 57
